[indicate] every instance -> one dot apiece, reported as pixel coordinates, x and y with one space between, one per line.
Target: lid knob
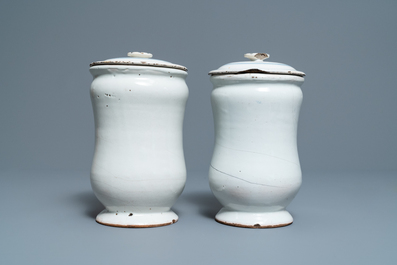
140 54
257 56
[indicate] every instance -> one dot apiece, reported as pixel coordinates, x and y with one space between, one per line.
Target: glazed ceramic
255 171
138 170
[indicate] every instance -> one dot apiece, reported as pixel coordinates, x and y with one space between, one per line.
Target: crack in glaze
243 179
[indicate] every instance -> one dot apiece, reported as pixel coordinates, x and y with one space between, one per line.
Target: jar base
254 219
137 220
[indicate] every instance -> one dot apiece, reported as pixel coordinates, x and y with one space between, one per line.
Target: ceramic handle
257 56
140 54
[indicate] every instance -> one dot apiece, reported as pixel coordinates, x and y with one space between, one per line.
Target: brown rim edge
256 226
257 71
138 226
179 67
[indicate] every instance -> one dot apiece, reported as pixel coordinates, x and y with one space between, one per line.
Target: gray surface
48 218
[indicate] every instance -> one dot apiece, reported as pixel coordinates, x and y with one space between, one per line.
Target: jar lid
256 65
141 59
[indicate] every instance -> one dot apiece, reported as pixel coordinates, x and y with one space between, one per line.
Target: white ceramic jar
255 171
138 170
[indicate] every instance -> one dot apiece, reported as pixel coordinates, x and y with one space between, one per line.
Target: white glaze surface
138 164
255 167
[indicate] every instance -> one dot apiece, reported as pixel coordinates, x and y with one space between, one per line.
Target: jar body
138 169
255 171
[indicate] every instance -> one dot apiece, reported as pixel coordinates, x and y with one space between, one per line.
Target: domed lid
141 59
256 65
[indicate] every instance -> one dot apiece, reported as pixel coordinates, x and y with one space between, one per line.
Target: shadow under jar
138 170
255 171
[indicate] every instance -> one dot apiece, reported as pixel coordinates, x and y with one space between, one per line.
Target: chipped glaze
138 169
255 171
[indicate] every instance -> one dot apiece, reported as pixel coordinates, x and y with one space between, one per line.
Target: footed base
126 219
254 219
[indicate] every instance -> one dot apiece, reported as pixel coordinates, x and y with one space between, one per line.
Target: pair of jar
138 169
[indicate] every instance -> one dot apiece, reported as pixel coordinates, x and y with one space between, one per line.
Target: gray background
346 132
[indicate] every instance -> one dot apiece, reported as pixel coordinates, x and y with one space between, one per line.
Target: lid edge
256 71
172 66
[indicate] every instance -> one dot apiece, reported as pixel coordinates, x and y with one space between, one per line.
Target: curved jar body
255 171
138 169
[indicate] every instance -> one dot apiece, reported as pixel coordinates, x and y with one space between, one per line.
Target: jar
255 171
138 170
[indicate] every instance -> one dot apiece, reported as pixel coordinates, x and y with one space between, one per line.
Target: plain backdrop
346 48
346 209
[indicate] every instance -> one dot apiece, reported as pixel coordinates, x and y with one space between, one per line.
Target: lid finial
140 54
257 56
